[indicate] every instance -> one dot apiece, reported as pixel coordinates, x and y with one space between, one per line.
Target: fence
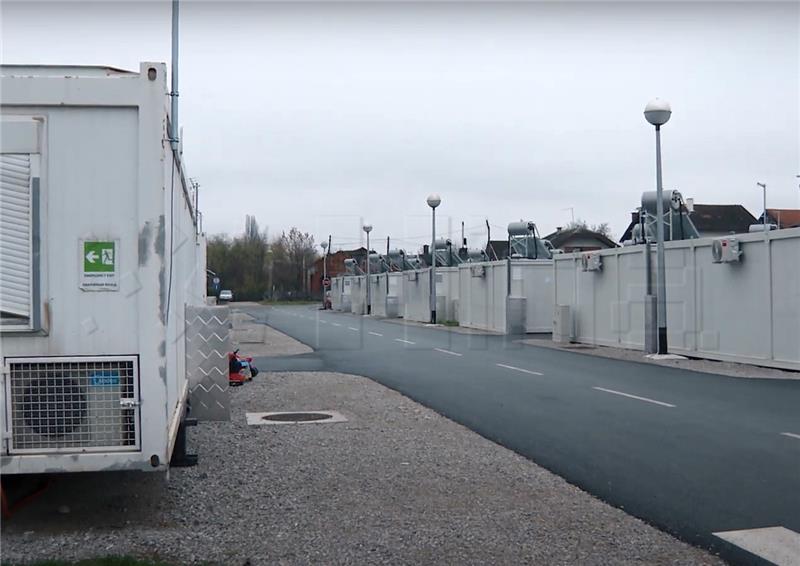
387 291
746 311
417 294
488 302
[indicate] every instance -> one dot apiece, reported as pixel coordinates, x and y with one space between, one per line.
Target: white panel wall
745 312
358 294
386 294
416 295
533 280
482 299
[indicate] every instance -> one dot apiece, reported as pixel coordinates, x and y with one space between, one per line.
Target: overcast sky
318 115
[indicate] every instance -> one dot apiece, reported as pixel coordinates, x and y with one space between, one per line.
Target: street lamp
434 200
368 228
324 271
658 112
764 186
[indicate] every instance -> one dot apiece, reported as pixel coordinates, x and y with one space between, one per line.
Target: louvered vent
15 235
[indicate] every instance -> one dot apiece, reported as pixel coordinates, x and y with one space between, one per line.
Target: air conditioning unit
726 250
413 275
477 271
73 405
592 261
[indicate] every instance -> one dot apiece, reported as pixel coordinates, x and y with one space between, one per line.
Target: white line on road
791 435
335 324
448 352
353 329
404 341
376 333
519 369
775 544
323 321
634 397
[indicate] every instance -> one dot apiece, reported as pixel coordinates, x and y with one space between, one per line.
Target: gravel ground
395 484
694 364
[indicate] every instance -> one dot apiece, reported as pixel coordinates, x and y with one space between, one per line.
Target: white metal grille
73 404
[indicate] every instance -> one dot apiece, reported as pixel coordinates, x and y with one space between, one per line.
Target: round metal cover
297 417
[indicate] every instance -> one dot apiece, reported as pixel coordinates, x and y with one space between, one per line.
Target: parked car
226 295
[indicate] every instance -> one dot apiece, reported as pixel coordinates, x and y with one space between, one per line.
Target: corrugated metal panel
15 234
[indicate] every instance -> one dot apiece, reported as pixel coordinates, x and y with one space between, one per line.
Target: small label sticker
104 379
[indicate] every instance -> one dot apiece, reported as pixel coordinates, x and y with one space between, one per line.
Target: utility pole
764 186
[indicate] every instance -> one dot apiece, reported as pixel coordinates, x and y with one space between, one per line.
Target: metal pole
369 304
433 266
174 94
661 278
764 186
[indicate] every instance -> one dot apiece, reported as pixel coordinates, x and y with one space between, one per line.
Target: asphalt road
692 453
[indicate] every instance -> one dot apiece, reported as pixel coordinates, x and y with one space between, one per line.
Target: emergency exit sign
99 261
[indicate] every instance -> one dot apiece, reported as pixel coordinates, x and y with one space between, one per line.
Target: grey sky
315 115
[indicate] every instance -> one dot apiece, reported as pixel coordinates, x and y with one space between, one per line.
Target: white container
104 256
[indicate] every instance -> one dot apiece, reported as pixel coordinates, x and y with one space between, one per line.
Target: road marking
404 341
775 544
634 397
353 329
323 321
519 369
376 333
335 324
448 352
791 435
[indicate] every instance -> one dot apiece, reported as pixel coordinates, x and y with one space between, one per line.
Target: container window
17 238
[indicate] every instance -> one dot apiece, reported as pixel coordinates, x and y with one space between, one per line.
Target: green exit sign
99 257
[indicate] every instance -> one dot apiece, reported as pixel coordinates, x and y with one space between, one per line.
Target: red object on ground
239 372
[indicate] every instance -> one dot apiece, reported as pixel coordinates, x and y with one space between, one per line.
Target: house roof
560 238
785 217
721 218
715 218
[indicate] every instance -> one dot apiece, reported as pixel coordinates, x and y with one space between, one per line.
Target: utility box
591 261
562 324
100 255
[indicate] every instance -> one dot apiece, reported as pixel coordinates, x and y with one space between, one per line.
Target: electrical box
591 262
477 271
726 250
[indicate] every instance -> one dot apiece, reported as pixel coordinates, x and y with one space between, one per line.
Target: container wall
483 288
746 311
106 175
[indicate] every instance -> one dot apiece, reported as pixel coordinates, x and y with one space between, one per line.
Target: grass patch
450 322
105 561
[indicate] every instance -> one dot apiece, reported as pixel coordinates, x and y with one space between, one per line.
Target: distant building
781 217
579 240
335 266
710 220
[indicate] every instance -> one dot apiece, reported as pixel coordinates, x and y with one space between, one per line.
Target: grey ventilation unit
73 405
726 250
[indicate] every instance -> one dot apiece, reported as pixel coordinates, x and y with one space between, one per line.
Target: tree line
257 268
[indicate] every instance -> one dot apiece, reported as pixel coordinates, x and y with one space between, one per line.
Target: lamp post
764 186
434 200
368 228
324 272
658 112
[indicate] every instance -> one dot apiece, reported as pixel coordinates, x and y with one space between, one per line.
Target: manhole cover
294 417
297 417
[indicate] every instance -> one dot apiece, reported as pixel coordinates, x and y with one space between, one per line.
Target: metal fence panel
207 347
